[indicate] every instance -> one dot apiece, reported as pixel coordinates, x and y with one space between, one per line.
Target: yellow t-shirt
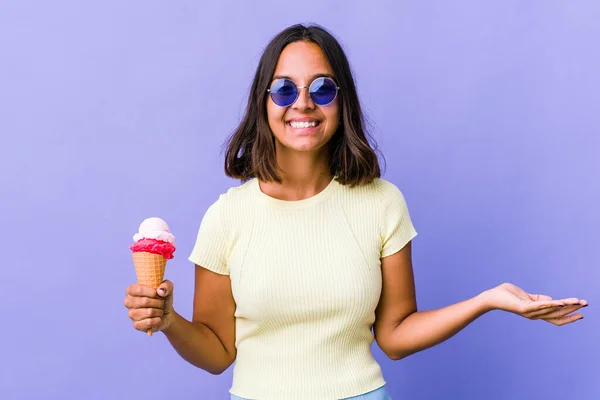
306 280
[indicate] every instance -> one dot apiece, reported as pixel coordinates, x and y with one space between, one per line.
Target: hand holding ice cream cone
147 310
154 245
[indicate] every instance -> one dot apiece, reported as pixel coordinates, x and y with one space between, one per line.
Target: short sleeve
211 248
396 225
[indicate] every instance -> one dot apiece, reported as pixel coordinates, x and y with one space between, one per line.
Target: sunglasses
284 92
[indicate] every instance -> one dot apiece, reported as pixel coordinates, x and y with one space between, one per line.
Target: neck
303 175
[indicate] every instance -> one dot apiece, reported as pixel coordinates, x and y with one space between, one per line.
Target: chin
305 145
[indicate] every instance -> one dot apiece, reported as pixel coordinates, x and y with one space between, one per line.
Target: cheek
332 115
275 115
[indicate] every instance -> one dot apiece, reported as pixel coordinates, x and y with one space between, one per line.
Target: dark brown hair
251 147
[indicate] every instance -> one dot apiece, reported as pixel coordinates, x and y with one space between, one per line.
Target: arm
208 341
401 330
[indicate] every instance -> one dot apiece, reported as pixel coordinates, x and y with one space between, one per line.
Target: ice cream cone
150 270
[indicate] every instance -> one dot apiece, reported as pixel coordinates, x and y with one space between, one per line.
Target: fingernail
162 290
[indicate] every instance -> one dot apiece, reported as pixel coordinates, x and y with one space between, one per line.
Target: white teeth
300 125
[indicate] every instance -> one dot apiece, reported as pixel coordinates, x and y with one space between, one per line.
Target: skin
302 158
401 330
208 340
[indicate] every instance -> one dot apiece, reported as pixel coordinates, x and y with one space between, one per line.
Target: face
302 63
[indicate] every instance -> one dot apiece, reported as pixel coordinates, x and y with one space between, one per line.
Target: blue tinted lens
323 91
283 92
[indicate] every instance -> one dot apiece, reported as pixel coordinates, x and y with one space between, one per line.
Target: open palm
511 298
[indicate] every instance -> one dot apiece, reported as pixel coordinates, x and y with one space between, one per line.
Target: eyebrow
312 78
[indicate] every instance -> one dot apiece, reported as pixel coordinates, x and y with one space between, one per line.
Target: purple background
112 111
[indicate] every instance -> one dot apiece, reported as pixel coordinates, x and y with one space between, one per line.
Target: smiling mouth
304 124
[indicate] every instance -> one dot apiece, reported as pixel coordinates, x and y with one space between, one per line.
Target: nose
303 102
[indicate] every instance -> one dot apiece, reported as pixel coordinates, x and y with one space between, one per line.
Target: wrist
484 302
170 320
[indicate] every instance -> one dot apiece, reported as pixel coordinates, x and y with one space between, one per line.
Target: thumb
165 289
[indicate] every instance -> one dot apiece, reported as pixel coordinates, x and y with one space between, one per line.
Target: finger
571 300
540 297
143 302
145 324
140 291
165 289
556 312
536 306
567 319
139 314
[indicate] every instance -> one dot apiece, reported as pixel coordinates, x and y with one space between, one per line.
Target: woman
295 266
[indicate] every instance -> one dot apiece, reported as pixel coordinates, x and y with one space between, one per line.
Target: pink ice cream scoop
154 237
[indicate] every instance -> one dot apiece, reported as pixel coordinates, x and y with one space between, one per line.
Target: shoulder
378 198
235 197
230 210
392 198
385 188
379 191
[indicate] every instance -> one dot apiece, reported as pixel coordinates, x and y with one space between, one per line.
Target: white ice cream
154 228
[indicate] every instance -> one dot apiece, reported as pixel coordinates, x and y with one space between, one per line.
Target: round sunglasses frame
337 89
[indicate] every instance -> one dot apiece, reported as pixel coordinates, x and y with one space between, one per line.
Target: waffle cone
149 268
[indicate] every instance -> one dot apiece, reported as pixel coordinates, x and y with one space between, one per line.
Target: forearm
198 344
424 329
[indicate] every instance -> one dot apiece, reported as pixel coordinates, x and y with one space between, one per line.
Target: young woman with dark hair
301 267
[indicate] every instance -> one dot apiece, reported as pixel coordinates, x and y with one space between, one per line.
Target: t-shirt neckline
291 204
